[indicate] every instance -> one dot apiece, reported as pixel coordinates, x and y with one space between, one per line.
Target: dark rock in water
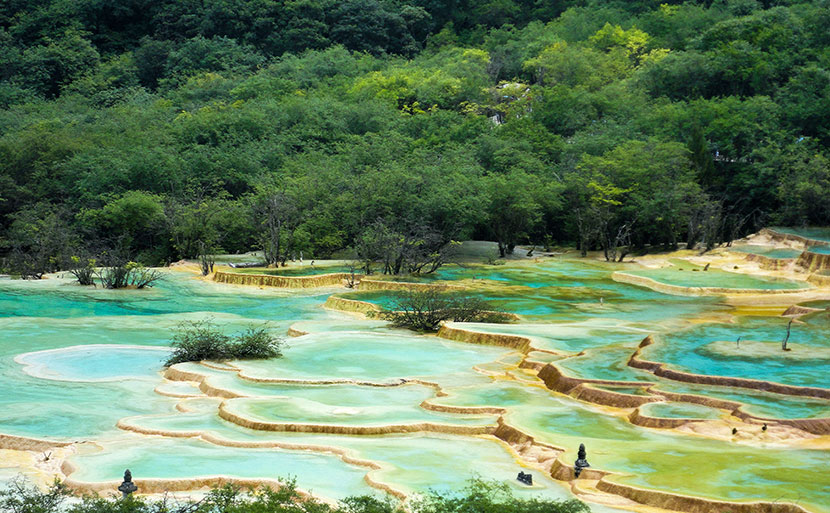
127 487
581 461
525 478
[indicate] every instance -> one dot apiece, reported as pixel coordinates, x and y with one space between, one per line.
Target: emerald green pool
680 411
814 233
686 350
767 251
820 250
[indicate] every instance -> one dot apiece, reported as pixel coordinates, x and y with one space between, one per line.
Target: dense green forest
159 130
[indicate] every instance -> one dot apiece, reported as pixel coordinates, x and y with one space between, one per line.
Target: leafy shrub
481 496
477 497
84 272
425 310
130 274
256 343
202 340
21 496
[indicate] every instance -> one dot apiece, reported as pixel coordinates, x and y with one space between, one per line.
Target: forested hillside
156 129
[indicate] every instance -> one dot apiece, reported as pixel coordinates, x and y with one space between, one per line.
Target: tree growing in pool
195 341
425 310
83 269
127 275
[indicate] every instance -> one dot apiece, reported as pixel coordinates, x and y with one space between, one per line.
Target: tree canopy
154 129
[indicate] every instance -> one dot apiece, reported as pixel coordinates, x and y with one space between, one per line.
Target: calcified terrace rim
813 262
323 280
770 263
679 290
344 455
580 388
291 282
785 236
36 370
585 390
518 441
559 470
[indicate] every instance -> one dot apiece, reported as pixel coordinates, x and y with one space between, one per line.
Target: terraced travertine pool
766 250
821 250
685 274
356 407
813 233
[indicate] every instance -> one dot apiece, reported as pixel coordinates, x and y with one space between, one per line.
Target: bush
22 497
195 341
477 497
84 272
425 310
481 496
130 274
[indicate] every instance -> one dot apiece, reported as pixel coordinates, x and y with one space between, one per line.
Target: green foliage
478 496
127 275
23 497
491 497
83 270
195 341
425 310
151 129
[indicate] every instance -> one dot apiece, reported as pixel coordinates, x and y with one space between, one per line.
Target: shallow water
680 411
821 250
687 350
767 251
686 274
75 361
815 233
